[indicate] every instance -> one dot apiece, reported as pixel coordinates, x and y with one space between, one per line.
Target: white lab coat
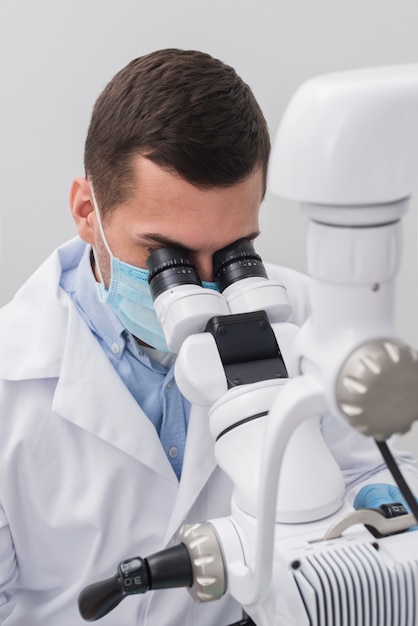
84 481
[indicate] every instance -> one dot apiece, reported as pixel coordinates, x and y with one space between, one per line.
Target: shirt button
173 452
169 384
115 347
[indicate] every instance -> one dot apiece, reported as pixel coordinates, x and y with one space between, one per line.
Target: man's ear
82 209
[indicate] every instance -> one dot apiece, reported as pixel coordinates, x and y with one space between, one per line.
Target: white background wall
57 56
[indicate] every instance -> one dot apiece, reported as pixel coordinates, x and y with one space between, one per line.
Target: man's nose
204 264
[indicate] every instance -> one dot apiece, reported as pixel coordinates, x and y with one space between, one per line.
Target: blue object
373 496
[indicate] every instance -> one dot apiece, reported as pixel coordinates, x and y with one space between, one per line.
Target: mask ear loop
102 233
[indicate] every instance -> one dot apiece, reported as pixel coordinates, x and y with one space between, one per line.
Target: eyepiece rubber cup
169 267
237 261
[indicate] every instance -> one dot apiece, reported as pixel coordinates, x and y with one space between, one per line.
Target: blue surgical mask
129 296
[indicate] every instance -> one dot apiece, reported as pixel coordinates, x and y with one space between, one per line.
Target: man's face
165 210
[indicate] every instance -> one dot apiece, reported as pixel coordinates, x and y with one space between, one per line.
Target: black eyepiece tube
237 261
169 267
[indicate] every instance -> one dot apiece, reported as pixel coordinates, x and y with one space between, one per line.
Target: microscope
293 552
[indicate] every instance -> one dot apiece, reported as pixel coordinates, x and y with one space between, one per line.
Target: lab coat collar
44 337
32 339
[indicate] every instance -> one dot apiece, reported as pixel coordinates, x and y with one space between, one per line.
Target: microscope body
347 149
311 486
311 571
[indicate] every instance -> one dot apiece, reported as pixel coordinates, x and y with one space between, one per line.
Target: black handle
97 600
163 570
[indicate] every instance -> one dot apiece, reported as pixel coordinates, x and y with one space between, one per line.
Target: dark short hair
183 110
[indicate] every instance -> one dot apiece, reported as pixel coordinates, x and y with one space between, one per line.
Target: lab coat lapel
199 463
90 394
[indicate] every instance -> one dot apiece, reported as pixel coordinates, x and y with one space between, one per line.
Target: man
101 458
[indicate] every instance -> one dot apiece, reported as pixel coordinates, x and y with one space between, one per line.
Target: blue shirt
147 373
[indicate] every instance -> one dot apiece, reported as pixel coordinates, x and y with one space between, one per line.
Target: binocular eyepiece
183 308
170 267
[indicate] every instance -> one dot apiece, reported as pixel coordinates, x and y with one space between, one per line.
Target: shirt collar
104 322
101 319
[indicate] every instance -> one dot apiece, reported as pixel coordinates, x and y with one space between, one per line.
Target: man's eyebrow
162 240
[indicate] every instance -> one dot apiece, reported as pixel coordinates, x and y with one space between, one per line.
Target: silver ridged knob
377 388
209 580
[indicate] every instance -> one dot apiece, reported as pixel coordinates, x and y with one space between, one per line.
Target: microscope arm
302 398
